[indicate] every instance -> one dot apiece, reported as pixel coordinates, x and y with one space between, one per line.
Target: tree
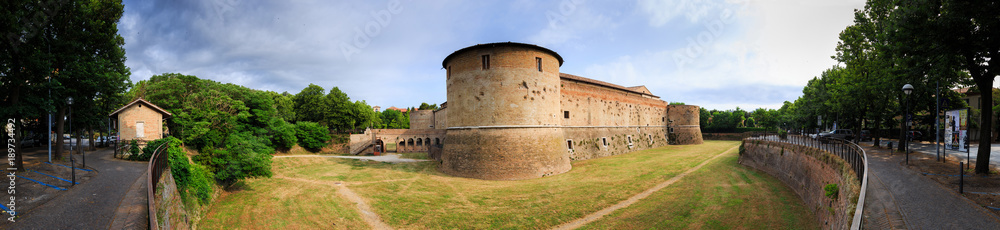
69 48
425 106
949 35
340 112
310 104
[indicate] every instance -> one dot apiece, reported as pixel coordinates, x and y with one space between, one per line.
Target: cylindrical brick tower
503 118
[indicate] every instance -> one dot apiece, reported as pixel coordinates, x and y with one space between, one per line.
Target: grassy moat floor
722 194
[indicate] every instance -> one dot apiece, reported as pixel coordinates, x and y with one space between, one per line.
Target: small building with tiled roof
140 120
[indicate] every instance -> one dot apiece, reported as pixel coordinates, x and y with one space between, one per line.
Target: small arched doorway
379 147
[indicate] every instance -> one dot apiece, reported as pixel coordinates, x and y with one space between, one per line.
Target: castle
512 115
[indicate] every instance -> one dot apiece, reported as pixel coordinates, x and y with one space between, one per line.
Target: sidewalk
899 198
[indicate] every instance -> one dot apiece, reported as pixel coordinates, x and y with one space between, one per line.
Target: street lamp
72 163
907 89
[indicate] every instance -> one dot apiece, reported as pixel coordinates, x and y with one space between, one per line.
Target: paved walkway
91 205
899 198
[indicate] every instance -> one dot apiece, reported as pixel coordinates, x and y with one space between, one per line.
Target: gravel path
900 198
90 205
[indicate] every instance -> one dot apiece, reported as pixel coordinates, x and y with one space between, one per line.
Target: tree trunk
986 125
90 136
60 116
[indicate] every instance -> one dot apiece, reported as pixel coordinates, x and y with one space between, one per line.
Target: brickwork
421 119
130 117
512 115
807 170
504 154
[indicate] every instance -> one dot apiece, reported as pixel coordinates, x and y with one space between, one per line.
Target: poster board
956 130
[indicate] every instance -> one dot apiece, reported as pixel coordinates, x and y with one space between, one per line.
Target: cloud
660 12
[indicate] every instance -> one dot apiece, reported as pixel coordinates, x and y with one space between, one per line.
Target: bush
311 135
832 191
133 150
783 134
188 177
283 135
245 156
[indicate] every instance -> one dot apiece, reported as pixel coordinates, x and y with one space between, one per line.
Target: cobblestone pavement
90 205
899 198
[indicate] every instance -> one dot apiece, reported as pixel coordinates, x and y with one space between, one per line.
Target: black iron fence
157 164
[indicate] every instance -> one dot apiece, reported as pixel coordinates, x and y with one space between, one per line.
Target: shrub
783 134
311 135
190 178
832 191
245 156
133 149
283 135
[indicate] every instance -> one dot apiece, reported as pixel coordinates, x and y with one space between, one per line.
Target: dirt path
631 200
367 214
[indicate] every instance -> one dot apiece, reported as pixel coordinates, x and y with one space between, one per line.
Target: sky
718 54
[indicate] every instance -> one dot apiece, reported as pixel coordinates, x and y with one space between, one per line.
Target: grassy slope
417 196
721 195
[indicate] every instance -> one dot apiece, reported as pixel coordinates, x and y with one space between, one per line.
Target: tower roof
501 44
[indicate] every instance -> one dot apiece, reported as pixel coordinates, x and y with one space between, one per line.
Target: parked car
846 134
865 135
32 140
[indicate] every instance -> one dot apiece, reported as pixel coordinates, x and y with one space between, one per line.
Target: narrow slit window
566 114
486 62
569 145
605 141
538 60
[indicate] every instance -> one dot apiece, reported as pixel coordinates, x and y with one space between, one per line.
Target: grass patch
276 203
417 196
721 195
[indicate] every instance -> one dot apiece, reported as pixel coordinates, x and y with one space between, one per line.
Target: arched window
437 141
409 142
420 142
428 141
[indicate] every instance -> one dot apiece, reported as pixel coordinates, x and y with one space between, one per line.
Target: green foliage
676 103
243 156
425 106
394 119
190 178
134 151
311 135
283 135
310 104
782 134
832 191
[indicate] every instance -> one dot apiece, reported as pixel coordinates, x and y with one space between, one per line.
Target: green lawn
417 196
721 195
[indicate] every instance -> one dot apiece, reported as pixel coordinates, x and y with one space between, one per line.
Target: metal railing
850 152
157 163
126 147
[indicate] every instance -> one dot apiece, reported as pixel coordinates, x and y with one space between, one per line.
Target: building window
140 129
630 141
650 138
538 61
486 62
569 145
566 114
605 141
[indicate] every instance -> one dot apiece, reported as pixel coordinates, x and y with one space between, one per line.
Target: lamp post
907 89
72 163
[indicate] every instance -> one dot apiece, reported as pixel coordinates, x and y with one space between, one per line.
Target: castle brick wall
683 122
441 119
421 119
504 154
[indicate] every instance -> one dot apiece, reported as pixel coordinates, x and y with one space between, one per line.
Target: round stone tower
504 113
